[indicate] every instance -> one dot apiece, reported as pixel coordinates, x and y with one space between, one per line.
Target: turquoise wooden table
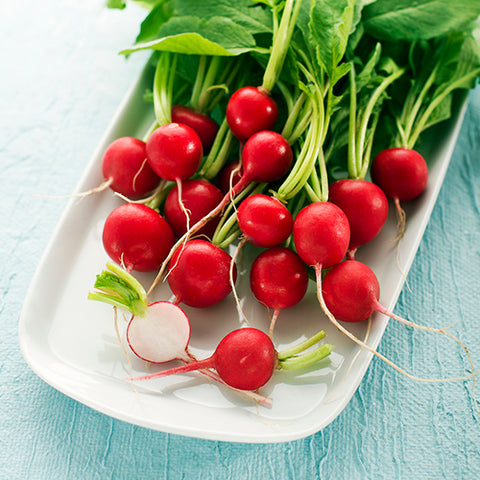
61 82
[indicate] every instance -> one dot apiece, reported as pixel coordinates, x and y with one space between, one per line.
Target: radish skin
249 110
137 236
125 168
199 274
366 207
278 280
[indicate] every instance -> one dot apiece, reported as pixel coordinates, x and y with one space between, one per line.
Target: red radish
321 234
126 169
402 174
205 126
199 197
264 220
266 157
174 151
249 110
278 279
365 206
351 291
199 274
246 359
229 176
137 237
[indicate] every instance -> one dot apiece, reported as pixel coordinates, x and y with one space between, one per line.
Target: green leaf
147 4
197 36
460 55
254 18
150 27
330 27
418 19
120 4
442 112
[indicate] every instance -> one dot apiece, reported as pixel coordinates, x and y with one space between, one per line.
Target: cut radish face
161 335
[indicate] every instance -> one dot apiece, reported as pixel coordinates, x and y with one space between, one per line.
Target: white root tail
352 337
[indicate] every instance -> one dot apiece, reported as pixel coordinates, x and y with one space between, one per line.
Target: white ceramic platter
71 342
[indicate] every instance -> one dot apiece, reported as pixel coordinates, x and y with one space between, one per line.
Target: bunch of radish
289 166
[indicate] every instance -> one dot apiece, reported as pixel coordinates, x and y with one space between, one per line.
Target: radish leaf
196 36
418 19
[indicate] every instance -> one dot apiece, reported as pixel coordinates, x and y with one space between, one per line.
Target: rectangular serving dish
71 342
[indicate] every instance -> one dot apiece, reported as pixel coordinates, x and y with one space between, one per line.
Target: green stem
197 86
163 87
434 104
310 150
117 287
365 119
152 128
352 154
219 152
293 117
208 83
415 109
301 347
323 176
307 359
314 183
281 42
369 147
156 200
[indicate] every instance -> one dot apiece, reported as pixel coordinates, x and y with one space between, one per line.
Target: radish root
354 359
334 321
401 220
103 186
242 242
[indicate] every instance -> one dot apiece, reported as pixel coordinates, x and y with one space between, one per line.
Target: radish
365 206
321 233
246 359
205 127
199 274
137 237
402 174
126 169
249 110
351 291
278 279
199 197
264 220
174 151
158 332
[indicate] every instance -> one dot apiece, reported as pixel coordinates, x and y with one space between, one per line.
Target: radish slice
161 335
